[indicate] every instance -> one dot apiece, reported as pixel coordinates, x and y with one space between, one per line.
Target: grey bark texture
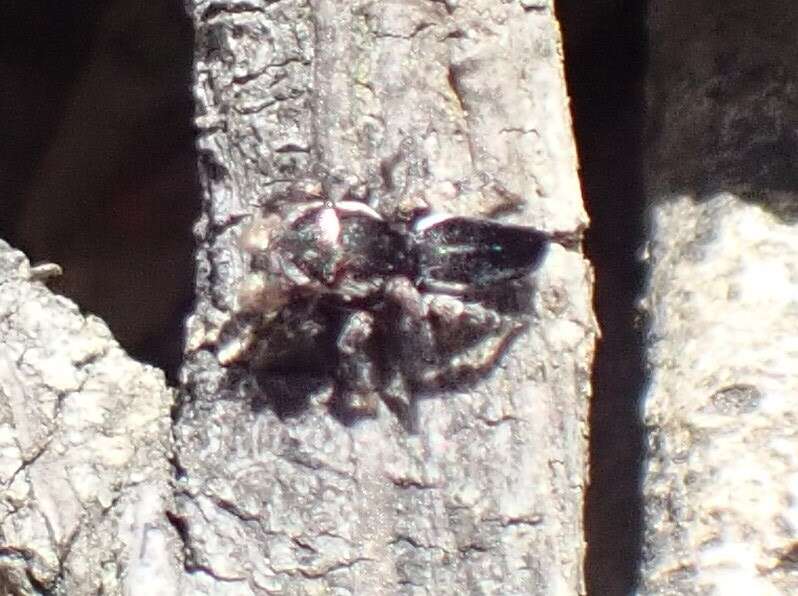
84 451
486 497
110 486
722 476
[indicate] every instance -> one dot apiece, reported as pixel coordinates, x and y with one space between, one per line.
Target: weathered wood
721 476
84 447
487 496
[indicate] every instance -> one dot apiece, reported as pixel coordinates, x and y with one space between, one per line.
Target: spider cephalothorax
386 308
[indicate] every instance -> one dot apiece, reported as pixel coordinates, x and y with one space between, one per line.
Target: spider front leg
415 338
474 336
442 338
357 375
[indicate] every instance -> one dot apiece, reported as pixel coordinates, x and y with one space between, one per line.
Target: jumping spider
385 308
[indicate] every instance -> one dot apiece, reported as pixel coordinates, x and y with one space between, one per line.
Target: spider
387 308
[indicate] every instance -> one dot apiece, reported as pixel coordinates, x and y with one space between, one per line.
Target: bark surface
487 496
720 484
84 447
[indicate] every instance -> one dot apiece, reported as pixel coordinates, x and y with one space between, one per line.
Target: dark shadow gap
98 166
604 45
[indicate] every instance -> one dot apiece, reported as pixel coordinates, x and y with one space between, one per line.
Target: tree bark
487 496
484 497
84 448
720 483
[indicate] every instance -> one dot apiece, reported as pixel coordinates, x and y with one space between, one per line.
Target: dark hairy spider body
385 308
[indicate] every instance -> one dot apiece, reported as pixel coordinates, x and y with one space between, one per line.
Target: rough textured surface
722 476
720 487
84 447
487 496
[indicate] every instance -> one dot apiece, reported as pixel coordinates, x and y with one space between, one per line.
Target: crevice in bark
604 45
183 532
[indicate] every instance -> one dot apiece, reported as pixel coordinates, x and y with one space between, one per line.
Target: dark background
605 54
98 174
97 163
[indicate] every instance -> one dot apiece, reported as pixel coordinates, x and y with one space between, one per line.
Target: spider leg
357 374
454 313
415 339
398 396
475 336
441 339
